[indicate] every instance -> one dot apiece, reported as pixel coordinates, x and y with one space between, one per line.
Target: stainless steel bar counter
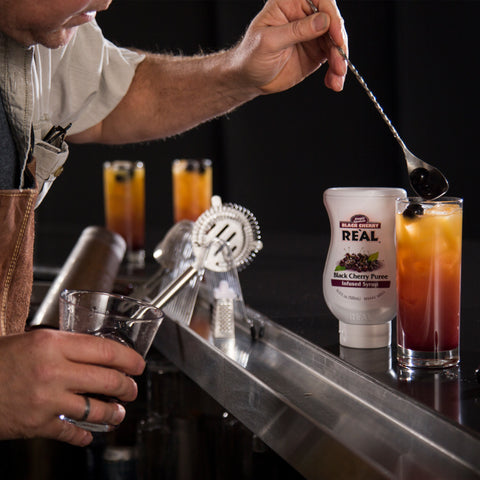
330 412
333 412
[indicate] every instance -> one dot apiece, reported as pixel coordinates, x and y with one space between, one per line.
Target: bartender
58 72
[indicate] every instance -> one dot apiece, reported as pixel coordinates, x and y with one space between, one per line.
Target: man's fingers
101 351
103 381
99 411
298 31
67 432
333 81
336 28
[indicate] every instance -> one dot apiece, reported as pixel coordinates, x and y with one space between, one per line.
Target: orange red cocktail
192 188
429 251
124 195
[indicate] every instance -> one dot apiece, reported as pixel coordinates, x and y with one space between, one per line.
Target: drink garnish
413 210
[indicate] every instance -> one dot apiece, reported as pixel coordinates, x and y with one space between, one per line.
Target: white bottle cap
365 336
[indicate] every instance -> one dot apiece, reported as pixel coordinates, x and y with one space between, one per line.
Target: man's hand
171 94
43 374
287 42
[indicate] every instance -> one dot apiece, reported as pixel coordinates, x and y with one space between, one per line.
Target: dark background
277 154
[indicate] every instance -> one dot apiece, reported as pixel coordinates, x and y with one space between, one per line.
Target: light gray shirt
80 83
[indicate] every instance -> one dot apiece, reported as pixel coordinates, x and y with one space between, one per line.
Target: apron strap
16 257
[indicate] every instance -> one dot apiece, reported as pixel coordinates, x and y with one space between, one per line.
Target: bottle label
359 268
359 274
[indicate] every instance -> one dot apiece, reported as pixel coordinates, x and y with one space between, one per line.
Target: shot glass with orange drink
124 195
192 188
429 252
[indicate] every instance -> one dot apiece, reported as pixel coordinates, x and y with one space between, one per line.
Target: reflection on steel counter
186 435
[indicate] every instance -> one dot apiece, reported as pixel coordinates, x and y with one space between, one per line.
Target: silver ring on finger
86 412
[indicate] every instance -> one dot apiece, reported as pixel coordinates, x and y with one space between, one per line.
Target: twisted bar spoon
426 180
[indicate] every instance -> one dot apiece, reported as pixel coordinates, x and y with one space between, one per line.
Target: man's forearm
169 95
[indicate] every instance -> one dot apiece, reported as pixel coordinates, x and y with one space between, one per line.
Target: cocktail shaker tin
92 265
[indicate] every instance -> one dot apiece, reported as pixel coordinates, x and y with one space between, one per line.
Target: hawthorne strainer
221 225
233 224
